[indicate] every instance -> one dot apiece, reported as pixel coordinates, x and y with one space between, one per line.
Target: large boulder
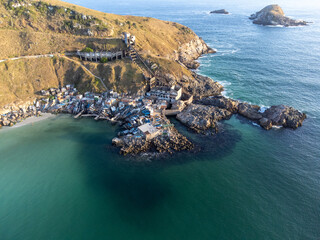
285 116
265 123
201 118
221 102
274 15
202 86
118 142
249 111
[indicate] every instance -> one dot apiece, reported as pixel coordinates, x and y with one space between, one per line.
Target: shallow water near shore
61 179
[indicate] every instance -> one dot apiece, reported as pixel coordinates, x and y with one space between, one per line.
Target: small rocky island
273 15
221 11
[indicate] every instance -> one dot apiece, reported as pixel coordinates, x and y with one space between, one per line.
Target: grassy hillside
21 80
61 21
51 26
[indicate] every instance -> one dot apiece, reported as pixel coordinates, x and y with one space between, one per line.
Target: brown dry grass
43 34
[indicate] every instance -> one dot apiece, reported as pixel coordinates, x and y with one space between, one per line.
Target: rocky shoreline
13 117
280 115
144 127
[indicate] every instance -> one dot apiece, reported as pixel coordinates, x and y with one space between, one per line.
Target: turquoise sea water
62 179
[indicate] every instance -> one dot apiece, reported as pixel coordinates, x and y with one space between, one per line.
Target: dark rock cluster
204 114
202 118
175 142
220 11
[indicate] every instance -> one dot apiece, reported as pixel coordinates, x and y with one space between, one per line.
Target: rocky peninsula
152 85
274 15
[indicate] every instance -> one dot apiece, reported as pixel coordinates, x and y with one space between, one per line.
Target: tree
87 49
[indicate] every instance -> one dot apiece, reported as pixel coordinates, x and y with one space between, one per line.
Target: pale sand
32 120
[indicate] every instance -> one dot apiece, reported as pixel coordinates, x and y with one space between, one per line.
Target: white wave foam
228 52
255 124
275 26
263 109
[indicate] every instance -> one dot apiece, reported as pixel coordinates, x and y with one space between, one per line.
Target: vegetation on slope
22 80
51 26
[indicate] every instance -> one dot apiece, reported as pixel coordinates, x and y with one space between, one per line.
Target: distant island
221 11
274 15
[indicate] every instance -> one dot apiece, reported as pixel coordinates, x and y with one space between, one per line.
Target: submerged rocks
274 15
220 11
201 118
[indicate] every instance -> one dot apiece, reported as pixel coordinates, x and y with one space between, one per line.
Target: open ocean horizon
61 178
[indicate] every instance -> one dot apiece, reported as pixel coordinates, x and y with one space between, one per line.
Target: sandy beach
31 120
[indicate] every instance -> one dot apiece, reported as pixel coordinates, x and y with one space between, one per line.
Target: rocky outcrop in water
220 102
280 115
252 112
285 116
274 15
174 143
221 11
202 118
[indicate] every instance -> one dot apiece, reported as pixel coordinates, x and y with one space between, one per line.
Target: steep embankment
21 79
52 26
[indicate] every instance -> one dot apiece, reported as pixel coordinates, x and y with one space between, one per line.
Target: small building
162 104
149 131
111 102
166 93
147 102
128 39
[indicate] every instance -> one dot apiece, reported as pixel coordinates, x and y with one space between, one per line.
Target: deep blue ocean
61 179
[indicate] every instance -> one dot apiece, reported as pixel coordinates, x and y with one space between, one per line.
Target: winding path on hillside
57 55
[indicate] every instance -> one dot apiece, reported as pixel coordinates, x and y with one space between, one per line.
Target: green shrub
104 60
87 49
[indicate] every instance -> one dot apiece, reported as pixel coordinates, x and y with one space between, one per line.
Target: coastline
30 121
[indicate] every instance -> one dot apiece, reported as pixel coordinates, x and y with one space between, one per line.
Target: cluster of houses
140 116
